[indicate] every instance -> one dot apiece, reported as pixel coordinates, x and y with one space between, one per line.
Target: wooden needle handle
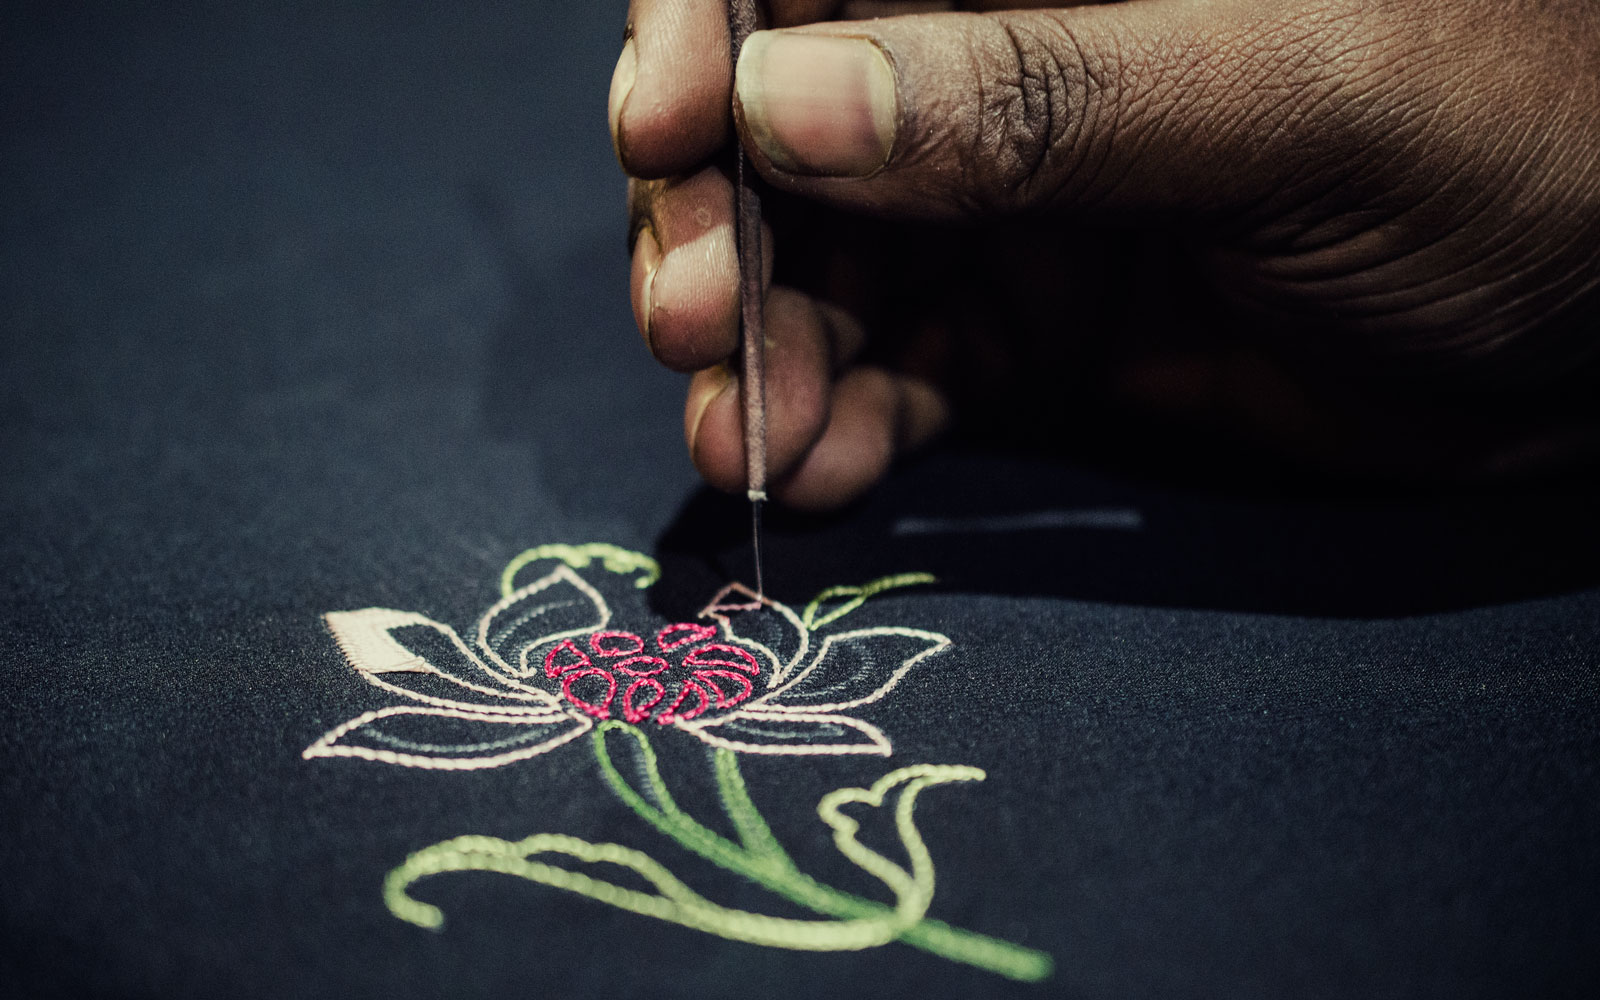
742 20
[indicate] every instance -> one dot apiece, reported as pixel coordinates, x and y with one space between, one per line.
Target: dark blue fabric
316 307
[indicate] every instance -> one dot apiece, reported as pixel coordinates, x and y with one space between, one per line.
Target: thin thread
756 499
719 608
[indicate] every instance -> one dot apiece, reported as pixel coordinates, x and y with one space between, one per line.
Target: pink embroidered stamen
630 644
634 712
683 633
672 714
600 710
708 679
552 669
634 666
741 659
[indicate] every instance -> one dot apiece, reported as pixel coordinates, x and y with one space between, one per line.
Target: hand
1369 229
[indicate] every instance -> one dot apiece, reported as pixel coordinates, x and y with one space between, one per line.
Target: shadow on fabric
991 523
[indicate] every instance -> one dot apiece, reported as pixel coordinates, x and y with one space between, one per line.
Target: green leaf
855 597
612 557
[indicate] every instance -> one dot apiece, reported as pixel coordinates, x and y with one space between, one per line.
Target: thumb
1149 105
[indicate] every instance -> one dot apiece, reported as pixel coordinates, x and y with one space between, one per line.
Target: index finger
672 91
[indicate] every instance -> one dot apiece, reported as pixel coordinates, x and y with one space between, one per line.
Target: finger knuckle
1035 92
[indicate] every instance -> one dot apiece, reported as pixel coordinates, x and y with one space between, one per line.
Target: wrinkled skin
1365 233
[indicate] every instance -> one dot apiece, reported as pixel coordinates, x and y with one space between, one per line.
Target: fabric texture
316 308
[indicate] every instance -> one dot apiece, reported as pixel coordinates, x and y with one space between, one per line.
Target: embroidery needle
742 21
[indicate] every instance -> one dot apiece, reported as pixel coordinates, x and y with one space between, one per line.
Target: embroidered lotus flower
547 662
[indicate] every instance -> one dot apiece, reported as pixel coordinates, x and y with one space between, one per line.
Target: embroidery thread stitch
717 694
617 560
857 597
548 667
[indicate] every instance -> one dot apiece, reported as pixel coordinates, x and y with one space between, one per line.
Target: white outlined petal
434 676
515 633
856 668
447 739
765 627
797 734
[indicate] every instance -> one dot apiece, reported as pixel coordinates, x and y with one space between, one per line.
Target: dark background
322 306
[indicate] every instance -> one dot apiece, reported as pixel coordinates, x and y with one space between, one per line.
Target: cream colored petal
447 739
517 632
442 672
799 734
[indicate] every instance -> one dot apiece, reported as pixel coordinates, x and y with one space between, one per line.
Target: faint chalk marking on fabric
1093 519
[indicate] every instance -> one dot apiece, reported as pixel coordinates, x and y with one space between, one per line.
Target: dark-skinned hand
1366 231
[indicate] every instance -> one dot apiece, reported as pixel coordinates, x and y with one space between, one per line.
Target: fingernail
647 261
817 104
621 86
705 390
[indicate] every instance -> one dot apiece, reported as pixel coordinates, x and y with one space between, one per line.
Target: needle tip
756 497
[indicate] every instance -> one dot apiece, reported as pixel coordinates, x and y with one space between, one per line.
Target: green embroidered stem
762 860
857 597
664 815
751 826
613 558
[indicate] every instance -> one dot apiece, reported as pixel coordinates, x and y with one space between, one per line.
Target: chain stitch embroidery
857 597
329 746
718 700
617 560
